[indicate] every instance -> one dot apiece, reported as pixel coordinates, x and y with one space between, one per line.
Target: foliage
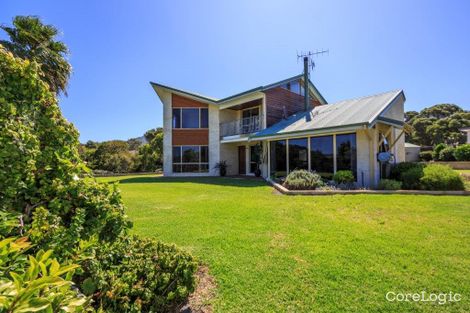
437 124
462 152
150 155
437 150
222 167
303 180
134 275
344 177
425 156
35 283
447 154
389 184
32 40
441 177
43 179
411 178
398 169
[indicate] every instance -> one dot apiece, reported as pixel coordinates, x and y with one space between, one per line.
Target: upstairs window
190 118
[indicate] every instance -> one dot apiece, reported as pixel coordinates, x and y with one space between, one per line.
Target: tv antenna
308 62
309 56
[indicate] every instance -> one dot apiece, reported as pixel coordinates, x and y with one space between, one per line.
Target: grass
275 253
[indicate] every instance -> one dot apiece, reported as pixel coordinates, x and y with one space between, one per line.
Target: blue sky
218 48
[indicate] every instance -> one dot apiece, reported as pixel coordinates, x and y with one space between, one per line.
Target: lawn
276 253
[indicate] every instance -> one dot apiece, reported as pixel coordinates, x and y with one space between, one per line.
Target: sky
219 48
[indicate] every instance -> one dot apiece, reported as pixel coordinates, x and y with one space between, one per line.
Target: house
466 130
412 152
276 129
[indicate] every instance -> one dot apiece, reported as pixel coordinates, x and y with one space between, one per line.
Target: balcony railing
242 126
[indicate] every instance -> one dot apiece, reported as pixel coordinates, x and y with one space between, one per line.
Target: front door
241 160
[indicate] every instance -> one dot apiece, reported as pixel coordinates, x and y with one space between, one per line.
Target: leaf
33 305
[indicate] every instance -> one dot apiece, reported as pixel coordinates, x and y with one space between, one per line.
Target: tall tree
32 40
440 123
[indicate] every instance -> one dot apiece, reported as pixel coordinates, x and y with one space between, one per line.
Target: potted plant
222 167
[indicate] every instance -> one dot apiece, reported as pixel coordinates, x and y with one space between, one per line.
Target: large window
278 158
298 154
190 159
191 118
321 155
346 154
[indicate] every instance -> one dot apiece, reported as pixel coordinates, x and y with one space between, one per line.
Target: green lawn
275 253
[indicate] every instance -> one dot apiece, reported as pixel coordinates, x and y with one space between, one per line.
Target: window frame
181 117
200 164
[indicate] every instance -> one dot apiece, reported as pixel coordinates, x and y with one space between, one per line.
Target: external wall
280 102
364 168
167 132
229 153
214 139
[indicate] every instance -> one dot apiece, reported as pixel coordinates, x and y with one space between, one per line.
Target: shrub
37 283
411 178
462 152
425 156
343 177
437 149
441 177
389 184
136 275
398 169
303 180
447 154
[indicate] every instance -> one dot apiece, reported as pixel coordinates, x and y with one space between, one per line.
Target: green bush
303 180
462 152
447 154
35 283
437 149
389 184
411 178
343 177
134 275
43 179
425 156
398 169
441 177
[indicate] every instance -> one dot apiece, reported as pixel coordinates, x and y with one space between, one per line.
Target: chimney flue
306 93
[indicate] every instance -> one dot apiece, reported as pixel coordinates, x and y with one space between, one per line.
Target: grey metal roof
260 88
359 111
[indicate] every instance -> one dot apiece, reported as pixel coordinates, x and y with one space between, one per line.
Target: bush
425 156
398 169
447 154
437 149
35 283
462 152
411 178
303 180
344 177
136 275
389 184
441 177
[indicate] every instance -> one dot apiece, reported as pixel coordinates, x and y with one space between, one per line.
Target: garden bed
286 191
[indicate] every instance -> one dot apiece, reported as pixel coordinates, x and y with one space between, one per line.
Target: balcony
247 125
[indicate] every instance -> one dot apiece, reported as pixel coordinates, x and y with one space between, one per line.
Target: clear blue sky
219 48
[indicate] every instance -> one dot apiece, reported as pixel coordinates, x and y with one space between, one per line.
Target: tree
32 40
150 155
438 124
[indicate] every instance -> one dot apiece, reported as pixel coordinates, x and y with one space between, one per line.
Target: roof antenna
308 63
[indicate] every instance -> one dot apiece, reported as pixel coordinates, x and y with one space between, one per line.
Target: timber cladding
279 98
182 102
188 137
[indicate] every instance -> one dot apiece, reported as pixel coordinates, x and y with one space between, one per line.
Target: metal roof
353 112
260 88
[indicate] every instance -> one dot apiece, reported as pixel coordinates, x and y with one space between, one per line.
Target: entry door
241 160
